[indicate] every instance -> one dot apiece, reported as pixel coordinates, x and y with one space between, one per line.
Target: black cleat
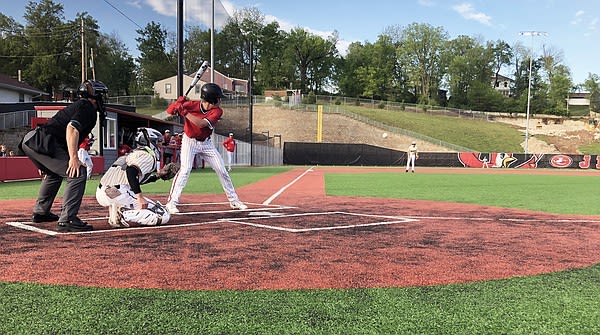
74 225
48 217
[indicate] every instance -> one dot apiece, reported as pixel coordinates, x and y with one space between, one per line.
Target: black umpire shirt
81 113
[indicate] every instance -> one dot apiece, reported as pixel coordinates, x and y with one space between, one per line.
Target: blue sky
572 26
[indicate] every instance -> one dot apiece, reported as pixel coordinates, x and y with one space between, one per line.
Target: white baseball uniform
412 155
84 157
114 188
197 141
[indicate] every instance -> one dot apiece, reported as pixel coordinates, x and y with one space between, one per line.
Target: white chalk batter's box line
264 214
246 221
31 227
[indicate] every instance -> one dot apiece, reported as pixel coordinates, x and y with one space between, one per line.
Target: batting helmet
211 92
154 215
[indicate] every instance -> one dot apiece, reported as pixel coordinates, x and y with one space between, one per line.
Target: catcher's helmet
211 92
149 137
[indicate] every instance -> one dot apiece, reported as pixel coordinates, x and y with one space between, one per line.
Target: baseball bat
199 74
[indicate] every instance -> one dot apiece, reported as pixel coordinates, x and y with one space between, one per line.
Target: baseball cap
167 131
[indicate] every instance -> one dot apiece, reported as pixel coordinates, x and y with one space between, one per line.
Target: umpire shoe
238 205
46 217
75 225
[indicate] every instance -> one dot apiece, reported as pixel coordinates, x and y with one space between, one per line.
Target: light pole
532 34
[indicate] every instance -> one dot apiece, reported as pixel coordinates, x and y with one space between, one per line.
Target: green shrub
381 105
159 102
310 99
338 101
277 104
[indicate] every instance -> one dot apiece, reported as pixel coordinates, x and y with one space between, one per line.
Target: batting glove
172 109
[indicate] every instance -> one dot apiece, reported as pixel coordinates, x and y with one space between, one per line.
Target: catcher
120 187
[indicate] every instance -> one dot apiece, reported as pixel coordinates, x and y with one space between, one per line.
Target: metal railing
16 119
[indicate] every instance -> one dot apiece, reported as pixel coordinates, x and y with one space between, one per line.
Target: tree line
416 63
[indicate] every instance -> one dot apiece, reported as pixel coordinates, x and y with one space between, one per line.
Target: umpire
53 149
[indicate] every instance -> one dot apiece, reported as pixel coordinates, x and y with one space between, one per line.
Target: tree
155 62
469 65
13 46
311 55
114 65
420 52
560 87
48 38
592 85
196 48
348 78
502 53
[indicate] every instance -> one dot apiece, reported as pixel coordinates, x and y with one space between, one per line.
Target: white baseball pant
206 149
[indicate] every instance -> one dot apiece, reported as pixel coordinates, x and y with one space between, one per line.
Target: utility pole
82 53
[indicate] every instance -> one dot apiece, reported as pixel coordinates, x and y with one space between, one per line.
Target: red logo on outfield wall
561 161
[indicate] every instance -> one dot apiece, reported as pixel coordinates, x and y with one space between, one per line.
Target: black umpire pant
56 169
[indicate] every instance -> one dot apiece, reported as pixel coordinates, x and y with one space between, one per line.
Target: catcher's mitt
168 171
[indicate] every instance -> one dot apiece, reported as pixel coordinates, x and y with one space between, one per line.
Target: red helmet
85 144
124 149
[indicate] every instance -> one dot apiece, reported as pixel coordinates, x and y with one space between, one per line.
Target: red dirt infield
295 237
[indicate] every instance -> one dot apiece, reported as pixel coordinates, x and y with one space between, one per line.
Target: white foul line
278 193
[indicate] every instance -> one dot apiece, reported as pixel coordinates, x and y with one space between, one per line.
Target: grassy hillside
475 134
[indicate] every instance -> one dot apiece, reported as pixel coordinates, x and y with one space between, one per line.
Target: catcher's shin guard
154 215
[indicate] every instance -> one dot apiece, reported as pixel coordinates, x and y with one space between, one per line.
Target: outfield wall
300 153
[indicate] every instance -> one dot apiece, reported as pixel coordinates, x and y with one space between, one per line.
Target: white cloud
196 11
342 45
135 3
467 11
578 17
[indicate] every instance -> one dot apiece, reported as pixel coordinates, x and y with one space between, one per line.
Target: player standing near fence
229 145
412 156
200 119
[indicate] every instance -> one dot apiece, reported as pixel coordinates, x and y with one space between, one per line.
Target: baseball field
320 250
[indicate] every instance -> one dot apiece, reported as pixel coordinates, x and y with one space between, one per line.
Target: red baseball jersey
213 116
229 144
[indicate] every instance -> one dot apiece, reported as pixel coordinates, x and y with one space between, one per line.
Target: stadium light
532 34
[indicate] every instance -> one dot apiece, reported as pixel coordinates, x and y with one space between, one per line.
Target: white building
167 88
502 85
13 90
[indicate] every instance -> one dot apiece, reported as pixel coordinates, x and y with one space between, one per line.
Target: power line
35 56
127 17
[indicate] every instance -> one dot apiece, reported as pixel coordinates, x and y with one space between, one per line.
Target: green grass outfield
558 303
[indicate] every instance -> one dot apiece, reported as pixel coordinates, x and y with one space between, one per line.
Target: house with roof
14 90
167 88
502 84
